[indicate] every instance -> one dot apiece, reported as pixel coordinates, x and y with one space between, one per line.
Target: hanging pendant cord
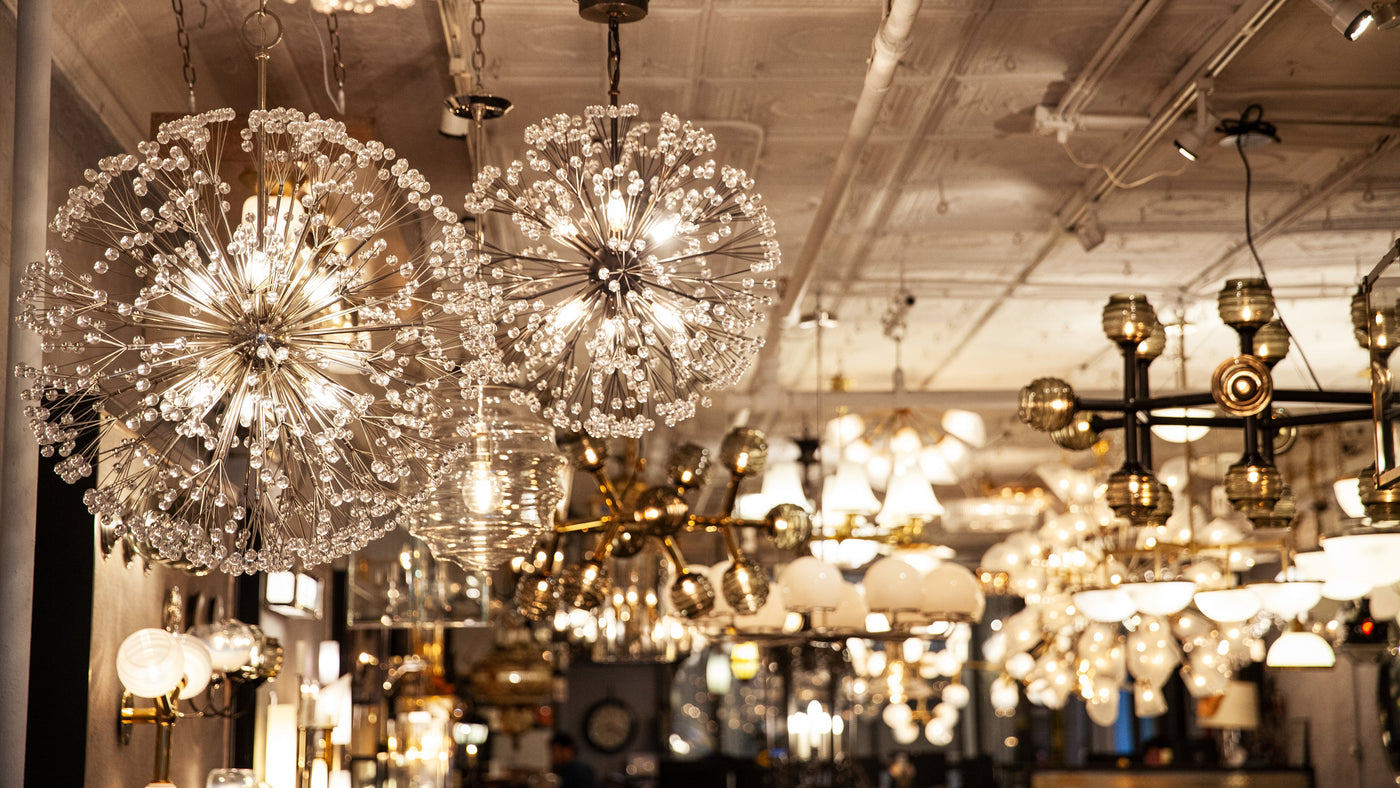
614 80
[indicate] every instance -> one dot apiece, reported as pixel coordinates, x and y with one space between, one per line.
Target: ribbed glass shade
150 663
1300 650
1128 317
1245 303
1105 605
1271 342
1228 604
198 665
499 497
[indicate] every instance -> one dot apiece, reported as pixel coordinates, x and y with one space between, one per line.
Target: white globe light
897 715
198 665
939 732
810 584
850 611
957 694
1105 605
892 585
150 663
1228 604
1162 598
952 590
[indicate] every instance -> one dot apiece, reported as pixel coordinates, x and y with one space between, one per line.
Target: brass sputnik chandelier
661 513
253 386
643 267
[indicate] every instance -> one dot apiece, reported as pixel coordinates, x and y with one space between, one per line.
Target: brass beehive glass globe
1047 404
1245 303
1128 317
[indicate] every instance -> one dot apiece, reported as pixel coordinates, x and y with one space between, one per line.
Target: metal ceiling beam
1317 195
1180 96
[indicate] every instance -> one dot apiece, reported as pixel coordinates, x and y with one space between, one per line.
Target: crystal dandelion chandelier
252 400
643 271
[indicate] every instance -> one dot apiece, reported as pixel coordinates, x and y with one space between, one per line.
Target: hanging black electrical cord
1251 122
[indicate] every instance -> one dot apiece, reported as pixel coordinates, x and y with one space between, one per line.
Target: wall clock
609 725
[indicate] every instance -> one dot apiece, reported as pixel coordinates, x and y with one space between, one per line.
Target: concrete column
19 458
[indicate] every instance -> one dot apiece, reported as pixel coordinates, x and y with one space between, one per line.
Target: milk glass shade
1161 598
150 663
1182 433
1298 649
850 611
198 665
908 498
848 492
1348 494
809 584
1228 604
1105 605
966 426
892 585
951 590
258 385
1288 600
498 495
1373 558
642 274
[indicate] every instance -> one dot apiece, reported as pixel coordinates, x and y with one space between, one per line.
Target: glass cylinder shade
1105 605
951 591
150 663
1288 600
1161 598
744 451
230 643
1227 604
498 497
892 585
1128 317
1245 303
397 583
232 778
809 584
1296 649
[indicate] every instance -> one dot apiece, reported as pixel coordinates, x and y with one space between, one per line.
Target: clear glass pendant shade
498 497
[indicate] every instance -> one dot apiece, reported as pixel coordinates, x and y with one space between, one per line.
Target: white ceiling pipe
891 42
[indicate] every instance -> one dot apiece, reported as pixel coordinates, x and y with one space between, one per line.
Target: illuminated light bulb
905 441
665 229
616 211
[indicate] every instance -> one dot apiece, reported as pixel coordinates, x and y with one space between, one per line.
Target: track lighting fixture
1192 144
1349 17
1249 130
1386 14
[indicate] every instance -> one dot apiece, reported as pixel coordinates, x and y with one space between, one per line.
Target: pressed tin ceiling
959 191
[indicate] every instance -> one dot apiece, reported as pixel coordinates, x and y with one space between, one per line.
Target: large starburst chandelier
645 267
252 398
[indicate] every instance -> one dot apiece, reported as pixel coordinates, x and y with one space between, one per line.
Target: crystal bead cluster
642 274
254 400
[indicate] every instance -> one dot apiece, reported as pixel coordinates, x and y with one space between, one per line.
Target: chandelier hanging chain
614 80
262 29
478 54
183 37
338 61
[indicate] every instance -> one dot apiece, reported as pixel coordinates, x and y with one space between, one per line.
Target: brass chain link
478 55
183 37
333 25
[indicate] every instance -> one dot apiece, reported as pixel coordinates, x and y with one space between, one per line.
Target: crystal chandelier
643 270
252 386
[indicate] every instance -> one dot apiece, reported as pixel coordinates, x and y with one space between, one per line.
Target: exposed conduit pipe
18 494
890 44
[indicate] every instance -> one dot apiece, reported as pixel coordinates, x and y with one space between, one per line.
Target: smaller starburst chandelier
659 514
644 267
253 388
